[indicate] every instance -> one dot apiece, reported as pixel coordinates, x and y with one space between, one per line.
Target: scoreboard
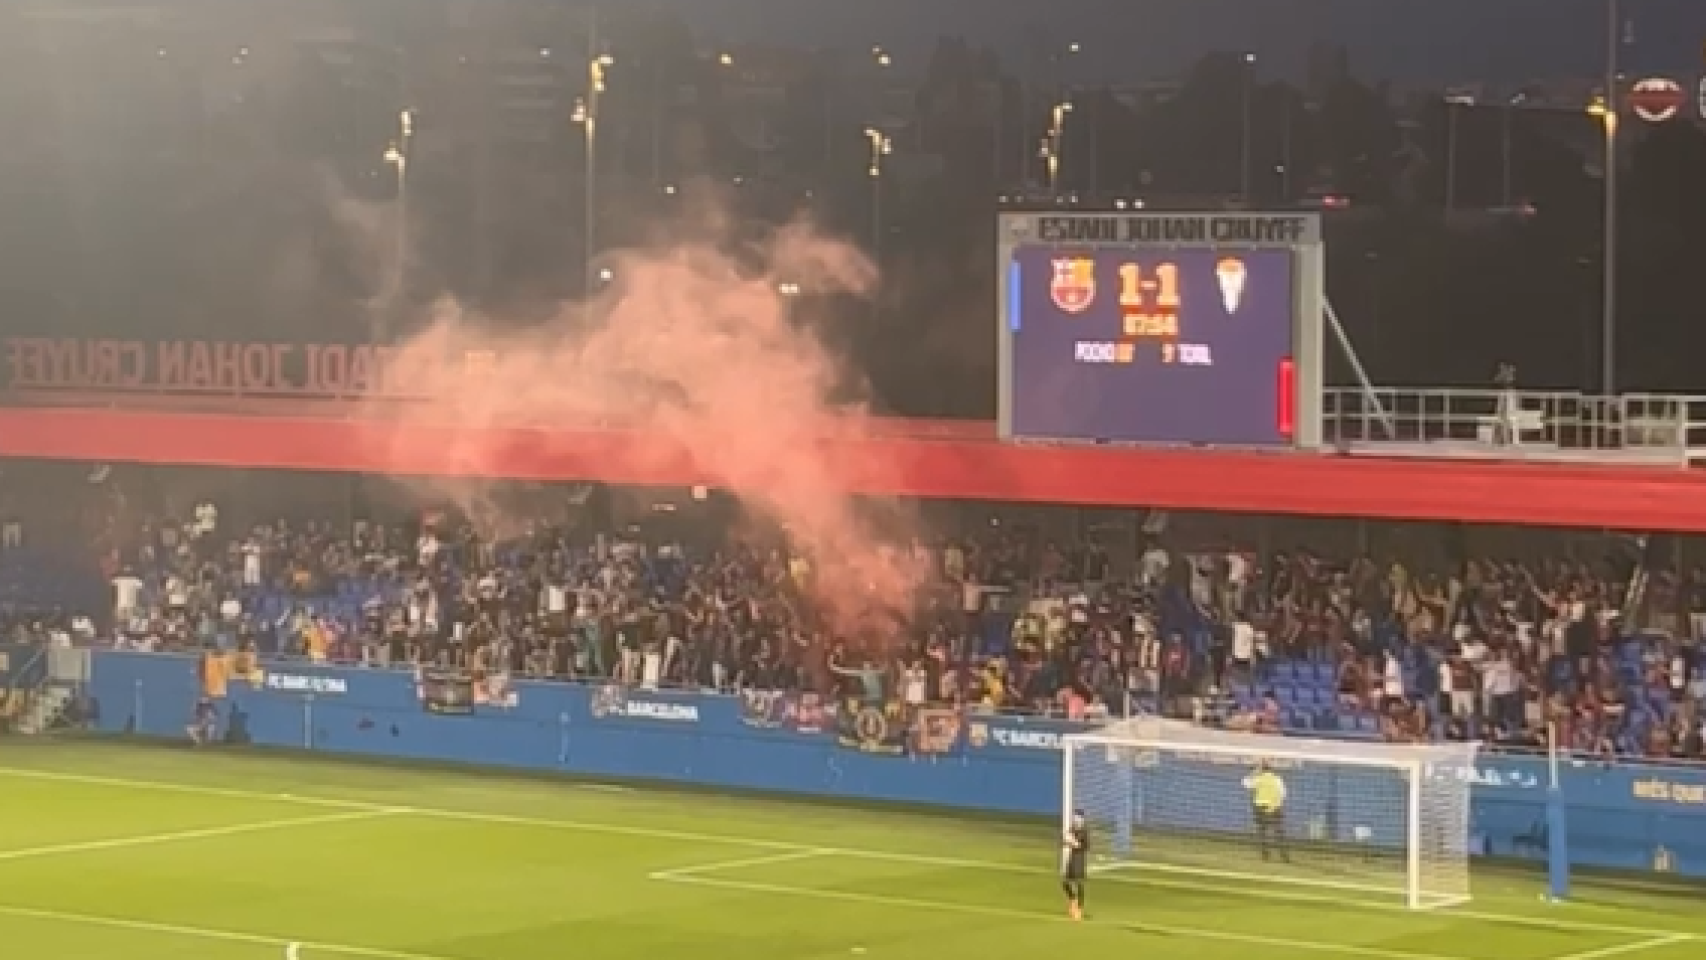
1166 328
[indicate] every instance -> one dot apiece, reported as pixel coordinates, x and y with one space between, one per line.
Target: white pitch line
211 934
1618 950
784 846
722 865
179 836
947 906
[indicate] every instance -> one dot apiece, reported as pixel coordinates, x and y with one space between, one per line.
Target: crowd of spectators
1603 654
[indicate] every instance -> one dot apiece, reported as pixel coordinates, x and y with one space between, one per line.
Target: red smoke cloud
694 339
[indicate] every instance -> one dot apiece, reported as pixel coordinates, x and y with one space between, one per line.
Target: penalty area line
212 934
184 836
948 906
1620 949
682 873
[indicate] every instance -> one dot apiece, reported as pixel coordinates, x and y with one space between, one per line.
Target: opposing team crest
1073 286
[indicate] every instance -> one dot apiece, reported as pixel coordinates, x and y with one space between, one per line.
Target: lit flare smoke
694 344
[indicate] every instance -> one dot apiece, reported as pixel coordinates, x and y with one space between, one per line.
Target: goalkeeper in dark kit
1267 811
1075 864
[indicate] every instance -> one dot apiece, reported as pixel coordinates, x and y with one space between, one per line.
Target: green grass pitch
140 853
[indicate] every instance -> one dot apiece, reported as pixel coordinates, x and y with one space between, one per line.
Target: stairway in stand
44 706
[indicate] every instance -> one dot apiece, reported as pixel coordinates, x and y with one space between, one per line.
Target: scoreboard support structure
1184 329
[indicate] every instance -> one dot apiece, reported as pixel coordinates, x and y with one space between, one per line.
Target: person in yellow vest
1267 811
314 641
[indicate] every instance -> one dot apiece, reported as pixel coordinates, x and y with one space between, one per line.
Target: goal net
1370 817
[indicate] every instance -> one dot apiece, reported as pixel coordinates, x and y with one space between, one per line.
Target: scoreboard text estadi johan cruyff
1254 229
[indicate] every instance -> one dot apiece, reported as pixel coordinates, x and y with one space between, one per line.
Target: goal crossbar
1154 734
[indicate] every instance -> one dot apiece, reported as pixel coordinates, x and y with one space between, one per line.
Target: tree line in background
1459 236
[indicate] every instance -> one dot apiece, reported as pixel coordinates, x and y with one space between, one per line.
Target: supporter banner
207 367
806 713
445 691
872 729
936 731
458 692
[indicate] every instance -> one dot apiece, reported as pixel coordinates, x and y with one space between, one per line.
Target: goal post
1371 817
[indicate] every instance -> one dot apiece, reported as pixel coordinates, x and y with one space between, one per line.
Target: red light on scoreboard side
1286 409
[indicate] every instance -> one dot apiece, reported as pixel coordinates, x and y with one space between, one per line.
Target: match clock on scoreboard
1167 329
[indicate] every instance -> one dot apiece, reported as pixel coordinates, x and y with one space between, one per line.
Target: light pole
1245 146
586 114
1453 102
1051 58
881 147
1053 145
882 59
1608 284
1507 150
397 157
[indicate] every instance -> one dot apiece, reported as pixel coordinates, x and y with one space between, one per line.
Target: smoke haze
692 340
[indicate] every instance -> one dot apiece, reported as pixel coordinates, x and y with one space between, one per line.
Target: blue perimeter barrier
1627 816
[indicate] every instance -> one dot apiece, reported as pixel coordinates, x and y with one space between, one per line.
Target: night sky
1406 40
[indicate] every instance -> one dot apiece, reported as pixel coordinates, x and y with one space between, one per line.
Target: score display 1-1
1149 310
1184 343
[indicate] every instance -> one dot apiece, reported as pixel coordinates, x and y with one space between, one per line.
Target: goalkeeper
1267 811
1074 864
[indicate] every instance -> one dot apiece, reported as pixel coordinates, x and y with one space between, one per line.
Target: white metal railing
1515 424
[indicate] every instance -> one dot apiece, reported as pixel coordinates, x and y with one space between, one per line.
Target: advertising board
1641 817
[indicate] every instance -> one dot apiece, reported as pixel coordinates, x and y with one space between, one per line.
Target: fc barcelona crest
1073 286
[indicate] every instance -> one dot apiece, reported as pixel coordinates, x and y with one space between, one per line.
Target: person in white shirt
1155 563
1474 650
230 610
556 600
1202 582
1078 610
1392 683
1501 686
177 593
913 686
1447 701
1243 646
127 592
252 562
1237 577
426 549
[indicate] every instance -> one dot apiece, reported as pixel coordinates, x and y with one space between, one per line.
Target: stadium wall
1633 817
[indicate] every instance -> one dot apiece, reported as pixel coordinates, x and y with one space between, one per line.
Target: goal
1371 817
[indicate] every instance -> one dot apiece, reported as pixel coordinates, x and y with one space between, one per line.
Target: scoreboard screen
1111 337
